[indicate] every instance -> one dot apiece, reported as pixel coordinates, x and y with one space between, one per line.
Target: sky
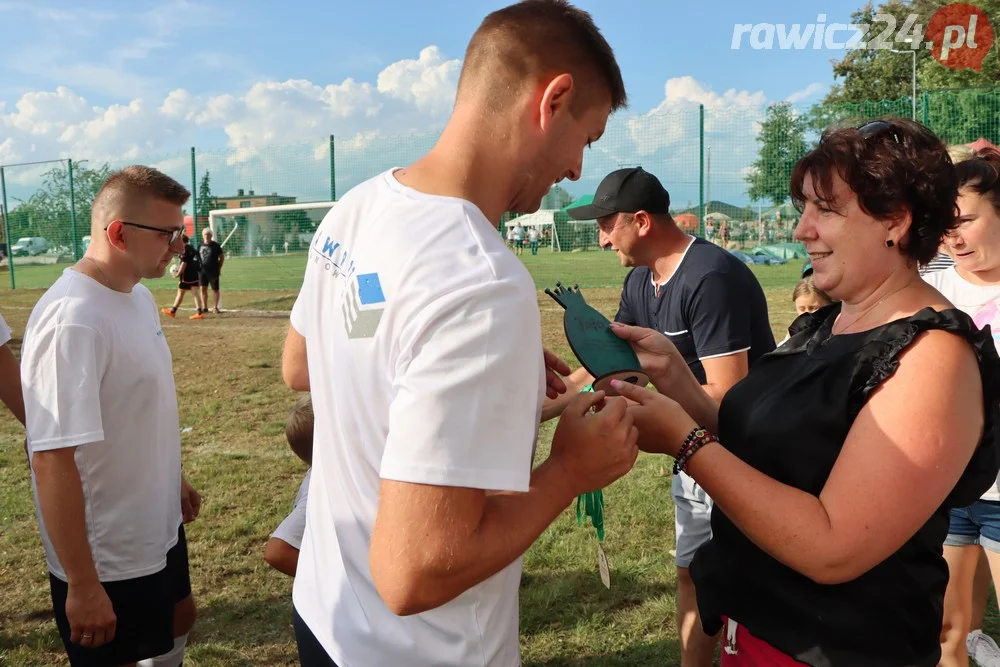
145 80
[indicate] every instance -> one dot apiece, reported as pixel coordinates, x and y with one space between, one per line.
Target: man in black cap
711 307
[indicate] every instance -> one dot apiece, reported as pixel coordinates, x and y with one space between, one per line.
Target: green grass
284 272
230 394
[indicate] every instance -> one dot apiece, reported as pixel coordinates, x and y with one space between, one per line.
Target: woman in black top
840 453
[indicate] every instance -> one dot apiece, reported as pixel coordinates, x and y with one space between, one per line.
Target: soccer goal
256 231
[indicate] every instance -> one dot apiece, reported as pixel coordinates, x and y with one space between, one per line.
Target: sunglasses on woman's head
876 128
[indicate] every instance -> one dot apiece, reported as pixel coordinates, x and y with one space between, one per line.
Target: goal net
256 231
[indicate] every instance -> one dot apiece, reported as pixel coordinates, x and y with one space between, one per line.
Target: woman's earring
890 243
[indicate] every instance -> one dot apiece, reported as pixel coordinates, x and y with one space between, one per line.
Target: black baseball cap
625 191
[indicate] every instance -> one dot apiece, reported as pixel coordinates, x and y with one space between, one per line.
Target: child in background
808 298
282 550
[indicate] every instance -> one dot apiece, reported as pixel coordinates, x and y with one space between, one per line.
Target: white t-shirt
5 333
97 375
533 234
982 304
425 365
291 528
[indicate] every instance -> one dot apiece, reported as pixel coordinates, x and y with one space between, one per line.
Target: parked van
30 246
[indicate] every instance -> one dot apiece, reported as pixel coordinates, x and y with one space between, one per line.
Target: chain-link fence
726 166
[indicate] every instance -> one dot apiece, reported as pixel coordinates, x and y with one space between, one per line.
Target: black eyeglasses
173 234
877 127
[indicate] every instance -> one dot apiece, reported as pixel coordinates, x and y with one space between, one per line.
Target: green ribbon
591 504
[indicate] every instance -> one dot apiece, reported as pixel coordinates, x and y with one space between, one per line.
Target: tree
556 198
206 200
781 144
47 212
873 73
933 75
879 74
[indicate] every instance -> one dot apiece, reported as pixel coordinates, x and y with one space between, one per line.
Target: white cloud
807 92
669 123
409 94
47 113
428 82
274 134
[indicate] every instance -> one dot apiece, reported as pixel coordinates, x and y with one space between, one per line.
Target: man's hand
554 367
190 501
595 441
91 617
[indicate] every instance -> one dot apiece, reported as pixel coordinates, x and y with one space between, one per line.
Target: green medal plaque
605 356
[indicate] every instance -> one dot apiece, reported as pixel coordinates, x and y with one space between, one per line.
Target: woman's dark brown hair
981 174
893 166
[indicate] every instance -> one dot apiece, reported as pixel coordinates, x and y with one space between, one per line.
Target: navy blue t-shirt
711 306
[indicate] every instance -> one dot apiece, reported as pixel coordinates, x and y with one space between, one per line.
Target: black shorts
206 279
188 282
144 608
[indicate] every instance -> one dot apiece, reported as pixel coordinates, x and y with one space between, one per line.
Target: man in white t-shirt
10 375
421 337
533 236
104 436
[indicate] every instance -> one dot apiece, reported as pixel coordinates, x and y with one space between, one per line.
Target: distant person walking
187 277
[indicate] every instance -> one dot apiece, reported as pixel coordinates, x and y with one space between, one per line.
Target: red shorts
742 649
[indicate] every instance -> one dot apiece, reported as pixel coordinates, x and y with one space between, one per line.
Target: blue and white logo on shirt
364 306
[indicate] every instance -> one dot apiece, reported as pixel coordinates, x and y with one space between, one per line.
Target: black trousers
311 653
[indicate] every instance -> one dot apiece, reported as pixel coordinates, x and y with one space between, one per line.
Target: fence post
72 213
6 228
333 172
701 170
926 111
194 199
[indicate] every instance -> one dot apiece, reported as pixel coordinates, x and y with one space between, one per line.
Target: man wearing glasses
104 436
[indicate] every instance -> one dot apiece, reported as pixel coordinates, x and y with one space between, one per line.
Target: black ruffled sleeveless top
789 419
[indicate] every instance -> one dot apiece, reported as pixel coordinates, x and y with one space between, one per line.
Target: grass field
233 405
284 272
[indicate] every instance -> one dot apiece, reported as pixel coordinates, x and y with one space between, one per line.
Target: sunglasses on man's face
171 234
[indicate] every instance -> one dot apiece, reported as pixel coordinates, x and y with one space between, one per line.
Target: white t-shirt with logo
5 332
982 304
425 365
97 375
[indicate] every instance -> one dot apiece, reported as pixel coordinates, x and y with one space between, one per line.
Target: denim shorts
979 523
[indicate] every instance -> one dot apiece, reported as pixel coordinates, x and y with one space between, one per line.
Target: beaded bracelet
697 439
696 432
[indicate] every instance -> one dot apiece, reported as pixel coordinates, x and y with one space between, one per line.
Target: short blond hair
299 428
960 153
134 183
807 287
